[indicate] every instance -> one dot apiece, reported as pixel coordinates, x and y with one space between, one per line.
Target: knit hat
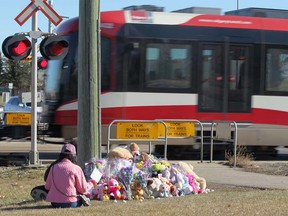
68 149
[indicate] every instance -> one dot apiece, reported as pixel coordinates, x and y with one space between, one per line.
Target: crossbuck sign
36 5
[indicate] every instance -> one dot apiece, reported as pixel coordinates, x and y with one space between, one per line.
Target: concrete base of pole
34 158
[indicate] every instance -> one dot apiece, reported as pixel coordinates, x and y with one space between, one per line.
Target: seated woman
66 180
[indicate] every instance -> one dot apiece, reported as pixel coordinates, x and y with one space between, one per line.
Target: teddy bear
134 149
164 190
153 186
137 191
120 152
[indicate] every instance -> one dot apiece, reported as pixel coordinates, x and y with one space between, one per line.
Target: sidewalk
222 174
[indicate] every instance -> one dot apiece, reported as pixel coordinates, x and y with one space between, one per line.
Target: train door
224 79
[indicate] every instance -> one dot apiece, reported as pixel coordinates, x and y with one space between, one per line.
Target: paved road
17 152
219 173
26 147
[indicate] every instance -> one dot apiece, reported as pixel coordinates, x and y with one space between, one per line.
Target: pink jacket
69 179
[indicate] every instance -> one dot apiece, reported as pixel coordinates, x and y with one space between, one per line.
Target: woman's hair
71 157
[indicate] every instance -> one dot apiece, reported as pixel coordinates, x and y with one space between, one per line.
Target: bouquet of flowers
125 175
141 178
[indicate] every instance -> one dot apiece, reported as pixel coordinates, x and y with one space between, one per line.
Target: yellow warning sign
137 130
18 119
178 129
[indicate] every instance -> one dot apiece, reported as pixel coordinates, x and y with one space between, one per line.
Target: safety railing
185 128
223 131
138 130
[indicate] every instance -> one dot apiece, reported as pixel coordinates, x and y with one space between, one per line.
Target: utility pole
88 78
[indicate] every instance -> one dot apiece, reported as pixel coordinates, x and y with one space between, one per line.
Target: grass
16 183
243 159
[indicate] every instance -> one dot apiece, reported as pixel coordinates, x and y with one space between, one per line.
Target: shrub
243 159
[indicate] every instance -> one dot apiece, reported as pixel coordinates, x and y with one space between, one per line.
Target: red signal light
16 47
57 48
42 63
20 48
54 47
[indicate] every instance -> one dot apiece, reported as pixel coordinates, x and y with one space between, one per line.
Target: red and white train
164 65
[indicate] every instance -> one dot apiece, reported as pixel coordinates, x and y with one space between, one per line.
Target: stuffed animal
137 191
120 152
164 190
105 193
157 169
194 184
174 191
134 149
98 192
180 181
153 186
166 173
114 189
165 163
186 188
189 169
148 158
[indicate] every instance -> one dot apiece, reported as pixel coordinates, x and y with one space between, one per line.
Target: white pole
34 156
49 22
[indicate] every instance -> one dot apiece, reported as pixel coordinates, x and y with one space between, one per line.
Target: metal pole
49 22
34 156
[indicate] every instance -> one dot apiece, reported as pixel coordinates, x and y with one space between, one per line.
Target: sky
70 8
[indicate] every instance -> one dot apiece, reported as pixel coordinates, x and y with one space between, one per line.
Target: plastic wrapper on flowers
125 175
141 178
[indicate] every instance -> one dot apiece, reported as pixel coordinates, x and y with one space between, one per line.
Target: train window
105 63
277 69
212 78
225 87
168 66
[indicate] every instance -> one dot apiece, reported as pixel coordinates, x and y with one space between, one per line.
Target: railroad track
15 152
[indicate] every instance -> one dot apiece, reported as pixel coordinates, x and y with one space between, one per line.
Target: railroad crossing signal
57 49
36 5
54 47
42 63
16 47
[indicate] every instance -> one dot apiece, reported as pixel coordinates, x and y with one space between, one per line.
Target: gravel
270 168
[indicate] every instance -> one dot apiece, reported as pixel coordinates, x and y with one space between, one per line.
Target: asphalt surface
214 172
